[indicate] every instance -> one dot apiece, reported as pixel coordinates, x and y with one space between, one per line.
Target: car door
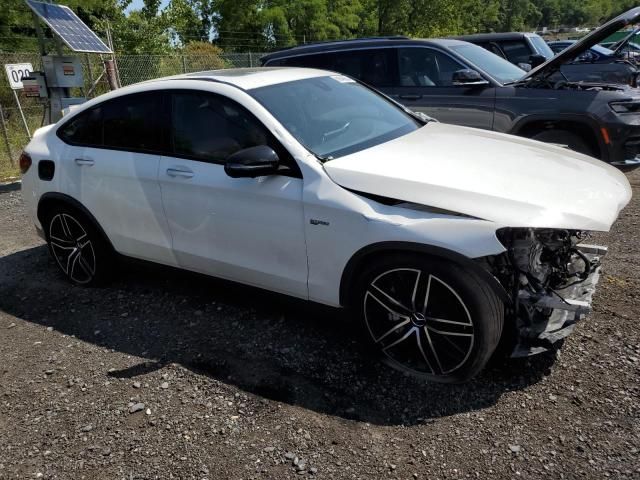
425 85
249 230
112 152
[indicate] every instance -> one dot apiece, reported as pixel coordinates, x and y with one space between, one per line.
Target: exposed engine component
552 277
556 82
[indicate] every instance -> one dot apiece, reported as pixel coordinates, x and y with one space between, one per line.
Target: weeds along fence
131 69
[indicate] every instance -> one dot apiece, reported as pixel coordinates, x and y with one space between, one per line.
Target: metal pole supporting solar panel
43 52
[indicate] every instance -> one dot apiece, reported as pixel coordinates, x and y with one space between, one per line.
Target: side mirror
536 60
468 78
525 66
252 162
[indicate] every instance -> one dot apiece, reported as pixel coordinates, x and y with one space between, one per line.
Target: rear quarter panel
41 147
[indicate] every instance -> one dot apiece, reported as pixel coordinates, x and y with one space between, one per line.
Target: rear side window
374 67
84 129
131 122
517 51
322 61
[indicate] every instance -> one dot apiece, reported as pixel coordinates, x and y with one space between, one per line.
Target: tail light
25 162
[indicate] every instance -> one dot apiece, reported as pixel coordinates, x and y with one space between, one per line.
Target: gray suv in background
461 83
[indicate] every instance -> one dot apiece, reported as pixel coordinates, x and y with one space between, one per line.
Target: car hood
596 36
619 45
509 180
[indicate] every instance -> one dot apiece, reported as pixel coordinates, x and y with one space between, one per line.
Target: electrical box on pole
61 72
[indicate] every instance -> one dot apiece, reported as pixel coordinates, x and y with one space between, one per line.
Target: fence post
250 60
184 64
6 136
109 68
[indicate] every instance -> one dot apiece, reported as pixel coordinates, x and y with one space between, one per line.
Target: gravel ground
166 374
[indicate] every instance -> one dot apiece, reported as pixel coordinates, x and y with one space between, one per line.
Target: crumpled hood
509 180
629 17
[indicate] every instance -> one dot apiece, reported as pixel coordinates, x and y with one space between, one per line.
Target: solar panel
69 27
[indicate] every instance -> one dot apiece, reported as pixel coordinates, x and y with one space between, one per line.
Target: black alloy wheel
430 318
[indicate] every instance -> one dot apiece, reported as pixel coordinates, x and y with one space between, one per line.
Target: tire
564 137
448 340
78 248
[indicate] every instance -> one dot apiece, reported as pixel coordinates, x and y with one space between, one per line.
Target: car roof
250 78
356 43
487 37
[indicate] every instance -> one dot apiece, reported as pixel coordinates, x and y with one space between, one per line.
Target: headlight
626 106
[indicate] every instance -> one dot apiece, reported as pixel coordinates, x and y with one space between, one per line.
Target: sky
138 4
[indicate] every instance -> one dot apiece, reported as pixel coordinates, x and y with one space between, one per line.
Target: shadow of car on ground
266 344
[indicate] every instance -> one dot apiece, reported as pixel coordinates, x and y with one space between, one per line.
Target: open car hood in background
619 45
598 35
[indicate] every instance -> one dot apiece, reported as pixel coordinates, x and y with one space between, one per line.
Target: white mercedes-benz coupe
443 241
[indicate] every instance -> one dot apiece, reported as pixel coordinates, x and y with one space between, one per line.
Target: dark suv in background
461 83
526 50
599 64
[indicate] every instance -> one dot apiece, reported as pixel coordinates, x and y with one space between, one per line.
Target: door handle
177 172
411 96
84 161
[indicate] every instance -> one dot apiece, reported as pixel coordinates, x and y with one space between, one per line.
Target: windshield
542 47
497 67
334 115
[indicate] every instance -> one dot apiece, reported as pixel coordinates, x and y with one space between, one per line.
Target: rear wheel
428 317
564 137
79 250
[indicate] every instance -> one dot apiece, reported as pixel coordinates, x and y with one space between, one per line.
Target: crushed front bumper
567 307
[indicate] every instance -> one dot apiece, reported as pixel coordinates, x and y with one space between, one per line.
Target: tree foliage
245 25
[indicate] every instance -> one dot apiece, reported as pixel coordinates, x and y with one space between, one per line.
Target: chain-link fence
131 69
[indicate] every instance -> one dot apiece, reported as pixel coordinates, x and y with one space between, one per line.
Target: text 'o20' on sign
16 72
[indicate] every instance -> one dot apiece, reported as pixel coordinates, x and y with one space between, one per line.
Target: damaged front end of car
551 276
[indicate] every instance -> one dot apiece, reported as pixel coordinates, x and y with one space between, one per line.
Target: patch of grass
8 173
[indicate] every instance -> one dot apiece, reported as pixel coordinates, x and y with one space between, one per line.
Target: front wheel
428 317
563 137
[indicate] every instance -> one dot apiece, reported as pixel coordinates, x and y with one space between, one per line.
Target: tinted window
334 115
517 51
209 127
541 46
373 67
132 122
497 67
321 61
557 48
424 67
493 48
84 129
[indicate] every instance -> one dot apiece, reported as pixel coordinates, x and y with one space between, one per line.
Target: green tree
141 31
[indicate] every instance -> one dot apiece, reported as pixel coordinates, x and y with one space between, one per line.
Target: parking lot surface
167 374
